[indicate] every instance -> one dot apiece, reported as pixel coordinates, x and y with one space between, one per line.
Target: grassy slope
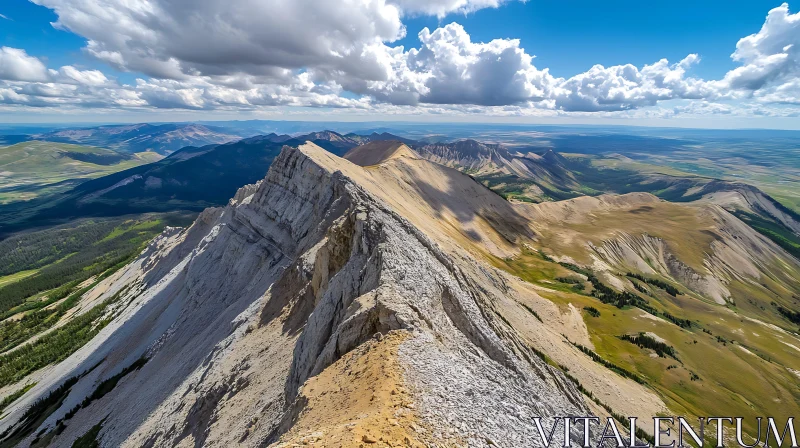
31 169
777 181
6 279
744 378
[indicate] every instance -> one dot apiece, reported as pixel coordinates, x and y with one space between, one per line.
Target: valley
33 169
231 288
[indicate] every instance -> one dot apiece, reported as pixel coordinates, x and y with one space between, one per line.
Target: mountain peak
378 152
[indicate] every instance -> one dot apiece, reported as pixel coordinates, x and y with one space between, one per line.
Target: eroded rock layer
306 311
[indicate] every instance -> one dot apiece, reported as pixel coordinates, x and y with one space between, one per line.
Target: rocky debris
296 275
471 400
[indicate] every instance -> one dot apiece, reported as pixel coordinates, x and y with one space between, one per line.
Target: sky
710 63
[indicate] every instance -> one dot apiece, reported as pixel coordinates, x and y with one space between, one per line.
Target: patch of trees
102 389
569 280
644 341
622 299
683 323
532 311
117 246
89 440
577 283
109 384
37 413
606 294
15 332
14 396
792 316
55 346
724 341
640 434
37 249
641 288
671 290
594 312
611 366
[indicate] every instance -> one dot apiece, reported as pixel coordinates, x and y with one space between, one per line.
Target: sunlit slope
731 283
31 169
731 322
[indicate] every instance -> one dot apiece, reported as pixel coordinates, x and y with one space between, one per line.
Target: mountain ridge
349 271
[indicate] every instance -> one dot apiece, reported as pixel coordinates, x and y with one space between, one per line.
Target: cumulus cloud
16 65
460 71
178 39
71 87
625 87
769 57
448 68
250 54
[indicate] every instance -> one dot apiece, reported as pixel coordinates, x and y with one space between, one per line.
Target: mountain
527 177
549 176
191 179
383 299
383 136
379 151
751 204
332 141
160 138
296 313
36 168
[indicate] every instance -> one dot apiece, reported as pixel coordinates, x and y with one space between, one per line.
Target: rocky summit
308 310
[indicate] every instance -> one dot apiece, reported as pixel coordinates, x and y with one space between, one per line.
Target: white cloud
179 39
441 8
464 72
16 65
252 54
3 16
770 57
625 87
70 75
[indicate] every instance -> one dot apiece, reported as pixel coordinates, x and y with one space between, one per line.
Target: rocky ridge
299 274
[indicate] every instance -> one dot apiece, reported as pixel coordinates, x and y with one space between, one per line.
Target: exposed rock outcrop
304 272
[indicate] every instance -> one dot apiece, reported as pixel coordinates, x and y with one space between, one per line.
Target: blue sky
567 38
571 36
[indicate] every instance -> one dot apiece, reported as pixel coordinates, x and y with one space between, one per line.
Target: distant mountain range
200 176
160 138
192 178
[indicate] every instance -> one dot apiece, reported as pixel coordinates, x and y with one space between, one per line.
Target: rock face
251 318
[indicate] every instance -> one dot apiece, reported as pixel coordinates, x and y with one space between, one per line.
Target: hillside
190 179
549 176
524 177
377 152
312 262
36 168
160 138
326 303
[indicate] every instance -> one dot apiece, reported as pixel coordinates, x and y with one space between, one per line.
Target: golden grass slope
728 275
